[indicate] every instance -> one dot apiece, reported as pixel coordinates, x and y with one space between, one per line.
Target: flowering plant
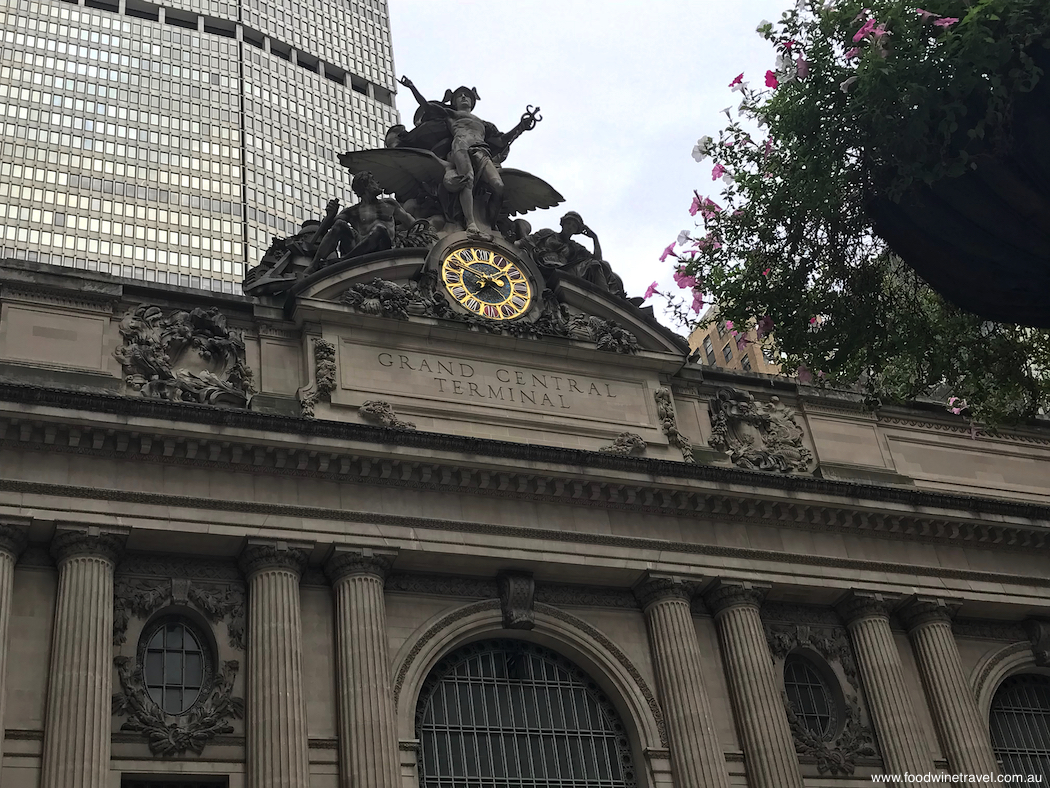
866 98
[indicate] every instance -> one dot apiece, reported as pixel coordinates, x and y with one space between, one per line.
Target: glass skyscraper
170 141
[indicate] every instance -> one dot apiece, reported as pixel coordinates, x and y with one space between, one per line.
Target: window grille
173 666
727 351
809 696
1020 725
745 362
509 714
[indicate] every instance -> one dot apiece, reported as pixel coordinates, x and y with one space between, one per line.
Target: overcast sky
626 87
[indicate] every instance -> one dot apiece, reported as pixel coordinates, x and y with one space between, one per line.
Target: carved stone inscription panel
438 379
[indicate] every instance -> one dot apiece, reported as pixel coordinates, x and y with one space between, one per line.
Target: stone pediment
407 284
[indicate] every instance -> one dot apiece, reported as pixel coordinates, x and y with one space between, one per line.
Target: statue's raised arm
408 83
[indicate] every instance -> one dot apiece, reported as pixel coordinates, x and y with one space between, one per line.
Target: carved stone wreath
625 444
383 412
837 755
757 436
173 735
388 299
184 357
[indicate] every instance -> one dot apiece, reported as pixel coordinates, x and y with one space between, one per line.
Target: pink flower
926 15
717 172
698 302
803 67
683 279
695 206
771 80
812 321
766 272
866 28
764 327
803 374
729 324
739 78
852 52
769 146
651 289
880 31
946 21
708 208
669 251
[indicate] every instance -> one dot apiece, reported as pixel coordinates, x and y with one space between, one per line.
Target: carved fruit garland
669 424
324 378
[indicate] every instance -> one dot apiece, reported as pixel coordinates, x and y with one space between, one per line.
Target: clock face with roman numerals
486 283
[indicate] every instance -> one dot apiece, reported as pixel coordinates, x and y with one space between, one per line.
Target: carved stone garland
625 444
383 412
757 436
169 734
184 357
324 379
669 424
388 299
855 740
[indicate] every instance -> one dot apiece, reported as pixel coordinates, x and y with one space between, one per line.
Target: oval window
174 667
809 696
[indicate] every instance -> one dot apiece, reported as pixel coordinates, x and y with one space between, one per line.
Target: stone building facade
343 538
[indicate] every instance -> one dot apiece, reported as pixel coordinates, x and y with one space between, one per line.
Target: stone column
900 737
758 704
277 754
963 734
79 692
12 543
368 747
696 756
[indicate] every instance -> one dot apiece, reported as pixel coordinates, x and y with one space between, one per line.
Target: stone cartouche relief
138 598
324 382
625 444
852 737
383 412
184 357
757 436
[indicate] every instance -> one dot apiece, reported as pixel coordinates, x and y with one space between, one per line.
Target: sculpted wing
400 171
525 192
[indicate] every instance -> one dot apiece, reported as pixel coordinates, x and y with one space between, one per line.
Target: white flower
727 178
728 111
683 238
847 84
702 149
783 61
739 87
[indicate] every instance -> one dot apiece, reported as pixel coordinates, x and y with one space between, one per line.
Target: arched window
809 695
505 713
175 664
1020 724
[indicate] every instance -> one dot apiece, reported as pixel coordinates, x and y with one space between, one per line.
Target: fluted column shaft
964 736
900 737
277 744
697 759
79 695
368 749
758 705
12 543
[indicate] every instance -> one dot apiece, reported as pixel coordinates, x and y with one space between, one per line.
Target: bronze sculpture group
446 175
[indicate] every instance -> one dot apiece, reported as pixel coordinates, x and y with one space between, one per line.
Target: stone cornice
726 594
562 485
631 543
921 611
677 472
260 556
74 542
655 588
346 562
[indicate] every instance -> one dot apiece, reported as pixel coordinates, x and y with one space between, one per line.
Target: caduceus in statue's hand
477 147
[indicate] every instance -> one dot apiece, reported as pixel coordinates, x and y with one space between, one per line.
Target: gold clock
486 283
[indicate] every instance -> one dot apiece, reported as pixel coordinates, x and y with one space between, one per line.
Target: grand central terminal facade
436 504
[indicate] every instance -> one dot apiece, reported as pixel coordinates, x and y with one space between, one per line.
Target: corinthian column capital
347 561
656 587
859 605
72 542
261 555
13 539
732 593
919 611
